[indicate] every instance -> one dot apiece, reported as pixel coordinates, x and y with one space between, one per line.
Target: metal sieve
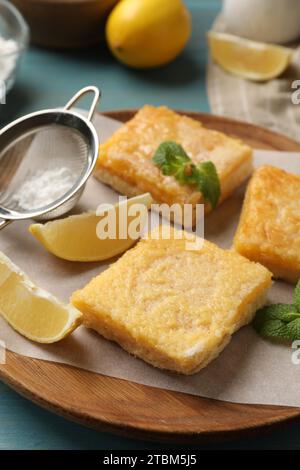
44 142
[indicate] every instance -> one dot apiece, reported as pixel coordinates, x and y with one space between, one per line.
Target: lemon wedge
75 238
248 59
31 311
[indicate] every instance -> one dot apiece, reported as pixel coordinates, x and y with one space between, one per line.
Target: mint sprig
297 295
280 321
173 160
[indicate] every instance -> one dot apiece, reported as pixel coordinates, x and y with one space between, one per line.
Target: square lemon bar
125 160
269 228
171 306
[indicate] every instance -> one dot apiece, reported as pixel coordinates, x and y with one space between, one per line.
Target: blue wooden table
48 79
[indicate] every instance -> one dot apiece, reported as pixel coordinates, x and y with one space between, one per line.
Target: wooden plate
133 410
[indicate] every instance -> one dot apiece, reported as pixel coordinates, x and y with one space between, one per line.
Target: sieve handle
4 223
80 93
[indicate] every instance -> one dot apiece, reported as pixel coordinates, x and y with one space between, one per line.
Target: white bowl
14 38
275 21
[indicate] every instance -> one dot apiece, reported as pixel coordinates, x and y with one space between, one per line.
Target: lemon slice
31 311
249 59
74 238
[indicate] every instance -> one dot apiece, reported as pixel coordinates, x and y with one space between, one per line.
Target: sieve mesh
43 149
48 157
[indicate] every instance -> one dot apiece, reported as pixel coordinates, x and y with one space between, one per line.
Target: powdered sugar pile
43 188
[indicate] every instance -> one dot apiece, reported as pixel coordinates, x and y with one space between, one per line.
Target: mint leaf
272 329
172 160
170 156
293 330
284 312
288 317
208 182
297 296
278 321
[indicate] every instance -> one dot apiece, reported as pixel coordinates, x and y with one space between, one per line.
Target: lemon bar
174 307
125 160
269 227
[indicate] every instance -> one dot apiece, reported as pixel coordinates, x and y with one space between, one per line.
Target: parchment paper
249 370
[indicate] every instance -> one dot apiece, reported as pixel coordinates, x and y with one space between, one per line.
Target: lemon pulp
249 59
74 238
31 311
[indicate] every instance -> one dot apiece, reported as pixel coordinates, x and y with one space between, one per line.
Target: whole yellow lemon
148 33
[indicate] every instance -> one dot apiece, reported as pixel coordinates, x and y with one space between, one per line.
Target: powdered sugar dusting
43 188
